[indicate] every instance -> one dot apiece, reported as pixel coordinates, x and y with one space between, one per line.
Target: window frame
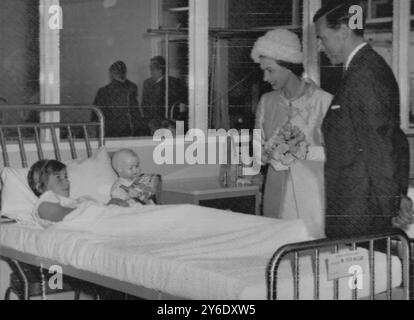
198 47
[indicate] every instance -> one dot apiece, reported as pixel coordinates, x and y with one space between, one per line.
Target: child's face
130 168
59 183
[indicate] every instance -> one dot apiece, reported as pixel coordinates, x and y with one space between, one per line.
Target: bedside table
210 192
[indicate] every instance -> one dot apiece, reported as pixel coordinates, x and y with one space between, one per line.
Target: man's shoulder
174 80
110 87
370 60
149 82
104 88
131 84
369 68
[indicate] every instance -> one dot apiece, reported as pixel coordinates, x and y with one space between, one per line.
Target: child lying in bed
49 181
132 186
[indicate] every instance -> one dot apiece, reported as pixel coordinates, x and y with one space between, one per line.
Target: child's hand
119 203
133 193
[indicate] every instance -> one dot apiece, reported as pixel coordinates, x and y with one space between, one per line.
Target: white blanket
195 262
187 251
222 234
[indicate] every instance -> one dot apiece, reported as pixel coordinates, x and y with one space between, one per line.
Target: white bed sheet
183 275
21 237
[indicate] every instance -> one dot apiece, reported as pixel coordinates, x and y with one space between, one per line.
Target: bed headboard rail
42 132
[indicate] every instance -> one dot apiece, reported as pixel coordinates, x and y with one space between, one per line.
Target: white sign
347 264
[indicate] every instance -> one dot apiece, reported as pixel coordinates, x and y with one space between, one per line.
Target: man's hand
119 203
406 215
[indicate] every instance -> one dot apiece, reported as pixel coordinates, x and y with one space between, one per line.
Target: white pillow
92 177
17 199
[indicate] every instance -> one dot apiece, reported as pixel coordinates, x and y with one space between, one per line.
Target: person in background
119 104
367 166
157 124
154 89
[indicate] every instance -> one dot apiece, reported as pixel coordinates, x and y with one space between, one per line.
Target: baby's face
130 168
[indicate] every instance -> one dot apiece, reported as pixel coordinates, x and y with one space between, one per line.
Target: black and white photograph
224 153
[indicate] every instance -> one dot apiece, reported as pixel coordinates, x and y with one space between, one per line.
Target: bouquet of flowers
287 145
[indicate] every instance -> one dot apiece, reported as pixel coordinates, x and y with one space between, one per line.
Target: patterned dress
141 190
297 193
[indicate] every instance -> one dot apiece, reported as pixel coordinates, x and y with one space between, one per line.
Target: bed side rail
395 239
42 132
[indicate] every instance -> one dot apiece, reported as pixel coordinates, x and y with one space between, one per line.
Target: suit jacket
117 94
119 104
154 95
367 166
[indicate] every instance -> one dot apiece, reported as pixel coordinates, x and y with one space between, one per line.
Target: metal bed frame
315 247
397 239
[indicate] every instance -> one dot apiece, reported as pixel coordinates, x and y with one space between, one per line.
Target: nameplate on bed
347 264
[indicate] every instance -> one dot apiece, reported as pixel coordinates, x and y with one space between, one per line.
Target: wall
19 51
145 150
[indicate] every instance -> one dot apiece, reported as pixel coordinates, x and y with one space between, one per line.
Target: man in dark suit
119 103
154 93
367 166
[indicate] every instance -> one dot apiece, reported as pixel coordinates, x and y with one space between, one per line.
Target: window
412 98
19 56
98 40
172 35
380 9
236 82
95 36
97 33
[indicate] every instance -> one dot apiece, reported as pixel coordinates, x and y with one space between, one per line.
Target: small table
210 192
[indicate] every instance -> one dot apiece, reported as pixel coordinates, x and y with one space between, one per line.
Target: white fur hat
279 44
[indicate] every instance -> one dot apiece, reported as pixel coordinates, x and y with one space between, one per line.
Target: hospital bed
295 271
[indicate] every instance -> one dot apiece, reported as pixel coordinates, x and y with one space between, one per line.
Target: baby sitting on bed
132 186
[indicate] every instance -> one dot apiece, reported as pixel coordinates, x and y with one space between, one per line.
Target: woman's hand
118 202
406 215
266 155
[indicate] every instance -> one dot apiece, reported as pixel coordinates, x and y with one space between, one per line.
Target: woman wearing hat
296 193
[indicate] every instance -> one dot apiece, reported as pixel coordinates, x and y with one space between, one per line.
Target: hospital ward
207 150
